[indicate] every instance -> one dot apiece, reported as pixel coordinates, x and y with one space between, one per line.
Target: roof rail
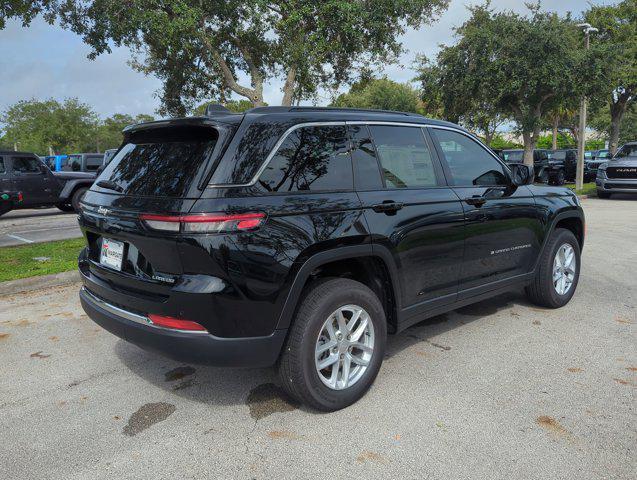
326 109
216 109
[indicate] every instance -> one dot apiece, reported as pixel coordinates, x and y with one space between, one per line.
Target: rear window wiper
110 185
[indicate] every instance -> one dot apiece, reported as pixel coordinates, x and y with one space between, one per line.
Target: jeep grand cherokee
300 237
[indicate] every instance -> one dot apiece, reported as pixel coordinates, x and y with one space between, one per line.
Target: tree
26 10
520 66
481 115
201 49
617 42
108 134
380 94
49 126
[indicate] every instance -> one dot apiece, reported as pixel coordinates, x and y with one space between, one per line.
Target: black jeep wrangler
27 182
302 236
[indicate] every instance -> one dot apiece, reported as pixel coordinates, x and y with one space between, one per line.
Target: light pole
581 144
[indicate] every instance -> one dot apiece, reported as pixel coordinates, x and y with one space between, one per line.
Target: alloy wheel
564 268
344 347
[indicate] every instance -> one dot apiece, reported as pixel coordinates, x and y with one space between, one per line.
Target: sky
44 61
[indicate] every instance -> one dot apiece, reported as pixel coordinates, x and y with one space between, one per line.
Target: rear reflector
204 223
175 323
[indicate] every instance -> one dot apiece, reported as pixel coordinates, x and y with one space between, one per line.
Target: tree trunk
288 87
556 125
613 143
617 111
529 145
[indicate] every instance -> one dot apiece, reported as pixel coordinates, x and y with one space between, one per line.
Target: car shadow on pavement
257 388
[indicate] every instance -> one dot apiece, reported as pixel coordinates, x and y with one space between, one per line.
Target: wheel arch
371 265
71 186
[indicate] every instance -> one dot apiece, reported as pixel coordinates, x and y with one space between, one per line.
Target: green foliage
564 140
617 43
198 49
37 125
18 262
26 10
380 94
499 142
67 127
109 132
512 65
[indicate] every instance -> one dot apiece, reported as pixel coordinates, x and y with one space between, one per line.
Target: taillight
175 323
204 222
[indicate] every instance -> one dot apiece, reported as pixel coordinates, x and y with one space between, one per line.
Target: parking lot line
17 237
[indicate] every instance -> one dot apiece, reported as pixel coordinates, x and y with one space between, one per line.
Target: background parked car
84 162
540 161
30 183
619 175
55 162
562 166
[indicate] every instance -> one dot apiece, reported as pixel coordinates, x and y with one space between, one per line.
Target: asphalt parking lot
500 389
20 227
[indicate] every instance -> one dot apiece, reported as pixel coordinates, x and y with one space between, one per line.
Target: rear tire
544 290
603 194
299 363
77 198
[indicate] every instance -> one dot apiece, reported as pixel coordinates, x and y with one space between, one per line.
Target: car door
6 184
503 227
30 177
410 211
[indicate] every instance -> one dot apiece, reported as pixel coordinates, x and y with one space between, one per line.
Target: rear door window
93 162
2 167
313 158
364 159
161 161
405 158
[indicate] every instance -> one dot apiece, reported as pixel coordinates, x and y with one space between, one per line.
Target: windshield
161 162
627 151
513 156
559 155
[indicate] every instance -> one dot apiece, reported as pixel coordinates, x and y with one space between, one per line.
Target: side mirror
43 168
521 174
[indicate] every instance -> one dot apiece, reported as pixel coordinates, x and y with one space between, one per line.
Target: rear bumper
190 347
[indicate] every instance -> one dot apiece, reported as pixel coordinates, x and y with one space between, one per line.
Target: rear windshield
161 162
558 155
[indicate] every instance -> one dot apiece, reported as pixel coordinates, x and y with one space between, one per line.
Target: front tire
335 346
603 194
557 272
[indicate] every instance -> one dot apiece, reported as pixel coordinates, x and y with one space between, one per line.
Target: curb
37 283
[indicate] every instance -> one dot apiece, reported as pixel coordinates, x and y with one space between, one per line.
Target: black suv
562 166
302 236
540 161
27 182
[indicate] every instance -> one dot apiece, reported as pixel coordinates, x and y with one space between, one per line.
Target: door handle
477 201
389 207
